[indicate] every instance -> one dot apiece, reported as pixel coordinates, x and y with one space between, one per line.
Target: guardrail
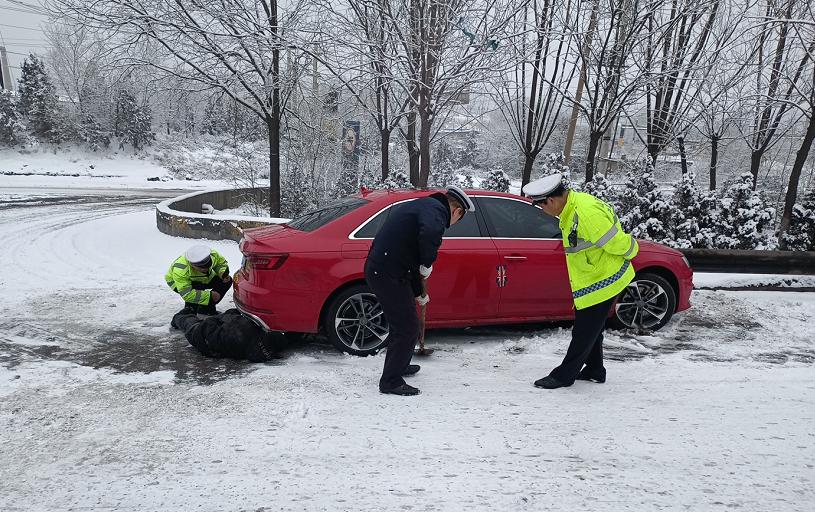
181 216
751 262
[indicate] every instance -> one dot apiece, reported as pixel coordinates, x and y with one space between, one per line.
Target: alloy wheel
360 323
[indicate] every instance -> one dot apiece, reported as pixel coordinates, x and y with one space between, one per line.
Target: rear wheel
648 302
355 323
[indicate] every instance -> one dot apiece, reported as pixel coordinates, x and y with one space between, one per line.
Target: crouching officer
402 254
598 257
201 277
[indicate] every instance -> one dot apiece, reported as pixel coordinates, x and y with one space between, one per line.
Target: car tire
354 322
648 303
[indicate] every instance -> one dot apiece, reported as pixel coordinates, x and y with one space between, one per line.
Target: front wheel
355 323
648 302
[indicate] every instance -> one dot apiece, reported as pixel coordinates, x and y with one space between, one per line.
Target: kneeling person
201 277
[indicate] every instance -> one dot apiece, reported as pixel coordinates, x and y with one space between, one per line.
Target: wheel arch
331 296
665 274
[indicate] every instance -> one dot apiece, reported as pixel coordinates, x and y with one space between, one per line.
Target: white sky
21 32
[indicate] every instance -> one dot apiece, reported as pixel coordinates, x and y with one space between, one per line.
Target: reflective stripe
607 237
602 284
197 298
582 245
185 291
630 251
179 265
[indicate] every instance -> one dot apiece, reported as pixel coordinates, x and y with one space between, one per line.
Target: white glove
425 271
422 299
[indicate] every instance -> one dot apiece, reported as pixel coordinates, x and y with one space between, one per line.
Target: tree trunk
795 176
424 150
385 136
755 163
683 156
412 149
591 157
714 160
273 129
273 124
526 176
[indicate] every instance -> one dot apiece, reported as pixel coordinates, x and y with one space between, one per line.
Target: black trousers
586 346
399 307
215 284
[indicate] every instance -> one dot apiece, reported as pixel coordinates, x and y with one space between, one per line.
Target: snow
76 168
102 406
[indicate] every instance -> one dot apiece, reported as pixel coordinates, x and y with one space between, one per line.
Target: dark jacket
410 237
229 334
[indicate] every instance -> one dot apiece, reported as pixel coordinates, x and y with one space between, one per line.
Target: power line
23 28
25 5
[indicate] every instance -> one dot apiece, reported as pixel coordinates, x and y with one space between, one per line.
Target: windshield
314 219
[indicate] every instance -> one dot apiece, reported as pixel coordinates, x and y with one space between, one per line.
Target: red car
502 264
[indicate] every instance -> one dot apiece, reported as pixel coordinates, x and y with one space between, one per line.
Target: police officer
401 255
598 257
201 277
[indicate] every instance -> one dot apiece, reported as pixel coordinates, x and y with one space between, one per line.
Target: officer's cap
198 255
462 197
542 188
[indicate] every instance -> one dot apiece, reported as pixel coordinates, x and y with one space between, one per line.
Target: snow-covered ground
102 406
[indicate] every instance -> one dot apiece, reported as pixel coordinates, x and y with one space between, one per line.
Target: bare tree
617 36
532 93
718 109
803 36
776 57
231 45
685 41
449 45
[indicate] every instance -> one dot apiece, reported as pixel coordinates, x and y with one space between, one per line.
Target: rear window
314 219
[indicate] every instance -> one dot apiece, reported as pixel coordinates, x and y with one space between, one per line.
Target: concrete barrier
751 262
181 216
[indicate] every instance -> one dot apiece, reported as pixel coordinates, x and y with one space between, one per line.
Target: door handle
515 258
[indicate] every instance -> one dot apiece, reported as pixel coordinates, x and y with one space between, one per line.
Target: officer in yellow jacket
598 257
201 277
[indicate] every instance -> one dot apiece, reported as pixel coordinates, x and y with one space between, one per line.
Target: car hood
653 247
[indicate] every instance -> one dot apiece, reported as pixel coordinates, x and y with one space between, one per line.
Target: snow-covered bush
397 179
801 234
133 122
746 221
645 210
496 180
12 129
37 100
686 210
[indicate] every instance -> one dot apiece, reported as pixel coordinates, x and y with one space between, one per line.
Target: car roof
406 193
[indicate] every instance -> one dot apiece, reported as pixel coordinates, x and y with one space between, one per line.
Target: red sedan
503 264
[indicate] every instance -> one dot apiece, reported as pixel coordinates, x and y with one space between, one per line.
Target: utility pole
581 82
5 71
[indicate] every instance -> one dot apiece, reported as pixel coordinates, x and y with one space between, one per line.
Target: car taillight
266 261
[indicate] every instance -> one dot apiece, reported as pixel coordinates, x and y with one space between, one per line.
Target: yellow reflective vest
181 276
598 251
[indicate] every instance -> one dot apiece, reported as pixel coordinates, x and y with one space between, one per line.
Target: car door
530 250
463 288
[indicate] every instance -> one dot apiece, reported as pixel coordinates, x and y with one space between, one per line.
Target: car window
467 227
509 218
314 219
371 228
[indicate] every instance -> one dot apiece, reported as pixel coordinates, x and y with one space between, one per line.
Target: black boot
412 369
550 382
598 377
403 390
